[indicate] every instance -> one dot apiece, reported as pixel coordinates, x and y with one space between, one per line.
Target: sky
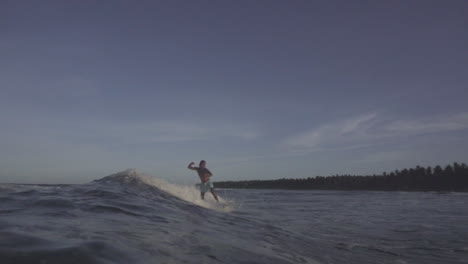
259 89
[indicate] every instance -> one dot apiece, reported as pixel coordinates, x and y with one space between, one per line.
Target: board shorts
205 186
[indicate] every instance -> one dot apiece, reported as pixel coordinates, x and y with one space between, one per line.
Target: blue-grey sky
259 89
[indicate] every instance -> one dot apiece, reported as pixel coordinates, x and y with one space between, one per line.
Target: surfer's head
202 164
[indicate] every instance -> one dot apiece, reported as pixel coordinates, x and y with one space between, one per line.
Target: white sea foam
189 194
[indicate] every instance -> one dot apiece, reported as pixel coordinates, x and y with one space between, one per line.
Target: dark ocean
132 218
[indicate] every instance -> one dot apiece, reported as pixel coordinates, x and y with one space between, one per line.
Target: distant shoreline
451 178
220 185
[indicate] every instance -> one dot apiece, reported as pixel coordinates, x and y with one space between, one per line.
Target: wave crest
133 178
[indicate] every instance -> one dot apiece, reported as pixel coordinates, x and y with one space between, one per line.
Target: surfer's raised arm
190 166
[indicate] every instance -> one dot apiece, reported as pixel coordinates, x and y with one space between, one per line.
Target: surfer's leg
202 195
214 194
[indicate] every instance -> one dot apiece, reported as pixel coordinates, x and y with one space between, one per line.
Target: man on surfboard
204 175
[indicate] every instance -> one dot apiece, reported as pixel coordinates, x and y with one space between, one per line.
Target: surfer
204 175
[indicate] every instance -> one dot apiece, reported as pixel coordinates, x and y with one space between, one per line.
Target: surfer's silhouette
204 174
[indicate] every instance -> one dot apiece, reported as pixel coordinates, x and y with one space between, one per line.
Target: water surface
131 218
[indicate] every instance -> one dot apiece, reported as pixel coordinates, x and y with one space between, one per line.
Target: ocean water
132 218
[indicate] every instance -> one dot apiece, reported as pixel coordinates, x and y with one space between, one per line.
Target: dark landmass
450 178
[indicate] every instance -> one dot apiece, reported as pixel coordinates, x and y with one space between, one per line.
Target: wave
131 178
54 202
23 248
126 192
130 217
110 209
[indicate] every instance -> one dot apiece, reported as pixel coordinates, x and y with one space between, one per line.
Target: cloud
44 87
46 144
399 155
72 87
355 124
142 132
429 125
173 131
370 129
341 133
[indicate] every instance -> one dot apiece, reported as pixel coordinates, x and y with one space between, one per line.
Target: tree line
453 177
